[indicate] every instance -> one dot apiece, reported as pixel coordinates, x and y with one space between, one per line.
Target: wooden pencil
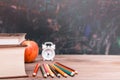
50 72
43 71
46 69
65 70
60 71
54 71
68 68
36 69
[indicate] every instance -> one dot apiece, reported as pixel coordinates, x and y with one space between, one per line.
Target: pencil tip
76 72
58 75
34 74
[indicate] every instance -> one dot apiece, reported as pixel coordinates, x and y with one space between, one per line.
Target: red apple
31 51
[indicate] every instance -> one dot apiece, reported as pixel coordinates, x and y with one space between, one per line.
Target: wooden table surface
89 67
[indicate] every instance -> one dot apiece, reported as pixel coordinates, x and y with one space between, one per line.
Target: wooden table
89 67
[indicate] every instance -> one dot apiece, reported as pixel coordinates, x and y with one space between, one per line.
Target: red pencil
46 69
68 68
36 70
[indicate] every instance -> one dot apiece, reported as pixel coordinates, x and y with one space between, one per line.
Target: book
11 38
12 61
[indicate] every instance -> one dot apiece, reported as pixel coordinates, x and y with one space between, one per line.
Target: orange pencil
50 72
60 71
71 73
46 69
68 68
36 69
54 71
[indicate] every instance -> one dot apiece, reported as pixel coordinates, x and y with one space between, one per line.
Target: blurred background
75 26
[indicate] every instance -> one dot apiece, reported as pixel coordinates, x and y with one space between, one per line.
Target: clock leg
43 59
51 59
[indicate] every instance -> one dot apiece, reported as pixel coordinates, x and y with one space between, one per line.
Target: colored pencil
50 72
65 70
43 71
72 72
36 70
68 68
46 69
60 71
54 71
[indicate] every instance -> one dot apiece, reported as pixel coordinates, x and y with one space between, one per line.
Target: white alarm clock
48 51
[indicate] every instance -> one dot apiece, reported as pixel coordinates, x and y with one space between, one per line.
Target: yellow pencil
54 71
60 71
50 72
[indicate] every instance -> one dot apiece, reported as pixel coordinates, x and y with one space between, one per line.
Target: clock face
48 54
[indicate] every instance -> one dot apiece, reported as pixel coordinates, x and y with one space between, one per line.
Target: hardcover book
12 61
11 38
12 55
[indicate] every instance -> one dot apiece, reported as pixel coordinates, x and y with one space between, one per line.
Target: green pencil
43 71
66 71
68 68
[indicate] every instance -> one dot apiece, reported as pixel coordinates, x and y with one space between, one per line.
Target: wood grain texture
89 67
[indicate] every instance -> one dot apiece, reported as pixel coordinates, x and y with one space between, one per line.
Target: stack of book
12 55
57 69
11 38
